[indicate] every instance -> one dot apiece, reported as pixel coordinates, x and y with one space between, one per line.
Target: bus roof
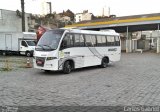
102 32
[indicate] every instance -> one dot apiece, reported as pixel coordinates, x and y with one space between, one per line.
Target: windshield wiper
41 46
49 47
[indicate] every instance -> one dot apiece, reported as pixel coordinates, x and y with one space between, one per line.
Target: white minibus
68 49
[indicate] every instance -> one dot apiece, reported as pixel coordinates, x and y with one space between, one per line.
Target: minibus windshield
49 40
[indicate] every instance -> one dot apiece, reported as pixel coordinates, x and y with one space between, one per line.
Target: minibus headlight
51 58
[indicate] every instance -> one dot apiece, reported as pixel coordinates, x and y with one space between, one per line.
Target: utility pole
23 16
50 7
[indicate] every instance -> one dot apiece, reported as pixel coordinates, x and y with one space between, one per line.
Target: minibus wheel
104 62
47 71
67 67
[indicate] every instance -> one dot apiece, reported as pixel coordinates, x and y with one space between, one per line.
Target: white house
83 16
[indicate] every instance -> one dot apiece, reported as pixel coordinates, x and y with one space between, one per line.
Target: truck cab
27 47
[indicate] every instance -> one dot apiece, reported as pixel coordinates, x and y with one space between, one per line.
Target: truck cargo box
12 42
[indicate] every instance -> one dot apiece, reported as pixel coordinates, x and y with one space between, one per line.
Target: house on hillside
83 16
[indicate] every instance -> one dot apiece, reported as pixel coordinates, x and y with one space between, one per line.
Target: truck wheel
104 62
28 54
67 67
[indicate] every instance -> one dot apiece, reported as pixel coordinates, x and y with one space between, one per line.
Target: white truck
17 43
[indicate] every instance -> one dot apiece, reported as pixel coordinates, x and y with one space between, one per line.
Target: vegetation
54 20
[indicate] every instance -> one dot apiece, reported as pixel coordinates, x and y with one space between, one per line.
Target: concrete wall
10 22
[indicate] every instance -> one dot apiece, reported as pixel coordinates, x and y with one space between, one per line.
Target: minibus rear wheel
47 71
104 62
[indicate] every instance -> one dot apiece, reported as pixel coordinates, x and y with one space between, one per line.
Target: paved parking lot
135 80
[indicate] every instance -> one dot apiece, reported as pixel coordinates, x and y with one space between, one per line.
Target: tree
68 13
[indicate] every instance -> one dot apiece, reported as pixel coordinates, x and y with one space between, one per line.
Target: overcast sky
117 7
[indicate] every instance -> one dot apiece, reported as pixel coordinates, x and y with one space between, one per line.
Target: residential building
45 8
65 19
106 12
83 16
42 7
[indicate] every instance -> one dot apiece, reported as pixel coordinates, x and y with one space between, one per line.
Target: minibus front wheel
67 67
